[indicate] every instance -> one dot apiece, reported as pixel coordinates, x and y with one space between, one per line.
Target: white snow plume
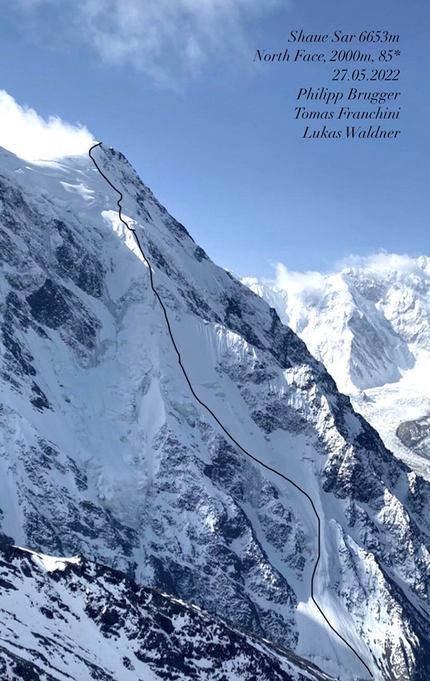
28 135
297 281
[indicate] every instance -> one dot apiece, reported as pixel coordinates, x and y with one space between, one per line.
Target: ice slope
65 619
370 326
106 452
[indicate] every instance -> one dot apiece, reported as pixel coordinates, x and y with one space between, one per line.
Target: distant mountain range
370 326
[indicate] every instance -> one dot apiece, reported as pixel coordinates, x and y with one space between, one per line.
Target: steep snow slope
106 452
370 326
65 619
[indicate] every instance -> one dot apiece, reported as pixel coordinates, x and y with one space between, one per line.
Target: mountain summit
158 418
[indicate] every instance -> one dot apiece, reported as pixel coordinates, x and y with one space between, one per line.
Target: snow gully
216 419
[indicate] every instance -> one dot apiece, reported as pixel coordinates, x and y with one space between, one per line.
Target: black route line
209 410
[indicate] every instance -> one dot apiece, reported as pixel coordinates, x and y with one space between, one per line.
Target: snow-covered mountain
370 326
65 619
208 477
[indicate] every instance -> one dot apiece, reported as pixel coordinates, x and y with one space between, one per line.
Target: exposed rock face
416 435
106 452
63 619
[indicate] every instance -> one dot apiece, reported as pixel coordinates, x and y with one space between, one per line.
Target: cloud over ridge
33 138
377 265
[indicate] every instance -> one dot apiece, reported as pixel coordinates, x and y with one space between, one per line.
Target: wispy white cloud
29 136
171 41
294 282
382 262
376 264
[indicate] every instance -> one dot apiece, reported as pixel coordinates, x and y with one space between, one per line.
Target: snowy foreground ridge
85 621
105 452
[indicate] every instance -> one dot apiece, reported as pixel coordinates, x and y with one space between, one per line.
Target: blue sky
173 85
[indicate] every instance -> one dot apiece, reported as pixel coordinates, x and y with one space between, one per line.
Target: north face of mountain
106 452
